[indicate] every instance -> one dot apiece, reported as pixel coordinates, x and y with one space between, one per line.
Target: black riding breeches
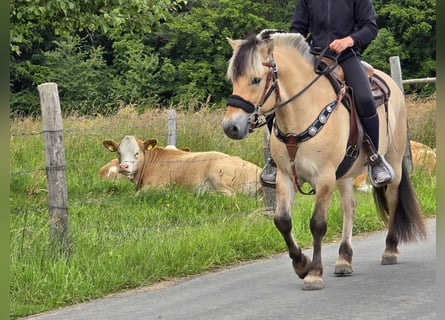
357 79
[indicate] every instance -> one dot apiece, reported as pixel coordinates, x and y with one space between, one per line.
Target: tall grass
125 240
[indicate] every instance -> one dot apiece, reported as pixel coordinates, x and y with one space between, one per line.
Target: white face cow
149 167
130 153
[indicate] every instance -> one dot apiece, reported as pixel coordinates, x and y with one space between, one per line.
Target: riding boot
268 176
380 171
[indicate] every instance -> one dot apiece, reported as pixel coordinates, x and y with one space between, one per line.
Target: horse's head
254 76
249 70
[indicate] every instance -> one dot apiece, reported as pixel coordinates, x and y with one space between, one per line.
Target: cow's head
130 152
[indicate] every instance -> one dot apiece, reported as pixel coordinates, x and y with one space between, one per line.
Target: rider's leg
269 172
380 171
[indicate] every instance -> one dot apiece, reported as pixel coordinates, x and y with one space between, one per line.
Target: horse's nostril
232 130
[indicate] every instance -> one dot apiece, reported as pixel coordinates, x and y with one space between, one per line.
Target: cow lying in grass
111 169
423 158
149 166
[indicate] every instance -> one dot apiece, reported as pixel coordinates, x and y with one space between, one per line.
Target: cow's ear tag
150 144
109 145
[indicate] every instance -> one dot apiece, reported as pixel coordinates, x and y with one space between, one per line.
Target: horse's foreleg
343 265
300 262
283 222
314 279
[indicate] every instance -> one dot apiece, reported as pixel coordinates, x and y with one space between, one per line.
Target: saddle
380 92
379 88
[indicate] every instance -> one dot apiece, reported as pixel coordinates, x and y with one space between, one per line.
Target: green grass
120 240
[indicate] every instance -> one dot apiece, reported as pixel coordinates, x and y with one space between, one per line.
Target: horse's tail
407 221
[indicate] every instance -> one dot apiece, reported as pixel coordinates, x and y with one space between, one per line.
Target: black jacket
327 20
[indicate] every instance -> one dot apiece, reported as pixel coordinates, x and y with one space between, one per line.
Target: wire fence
85 190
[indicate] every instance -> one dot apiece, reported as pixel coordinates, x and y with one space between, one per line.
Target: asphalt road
268 289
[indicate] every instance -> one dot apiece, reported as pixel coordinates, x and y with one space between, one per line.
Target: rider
347 27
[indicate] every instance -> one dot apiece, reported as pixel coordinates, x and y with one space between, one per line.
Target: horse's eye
256 81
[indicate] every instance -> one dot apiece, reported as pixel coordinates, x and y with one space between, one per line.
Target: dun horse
273 73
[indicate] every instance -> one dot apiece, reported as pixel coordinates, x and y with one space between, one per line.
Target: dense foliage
105 54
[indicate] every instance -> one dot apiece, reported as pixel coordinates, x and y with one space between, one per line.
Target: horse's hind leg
406 222
387 202
343 265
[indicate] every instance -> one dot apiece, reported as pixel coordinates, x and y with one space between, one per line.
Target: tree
111 17
40 31
195 42
412 24
163 52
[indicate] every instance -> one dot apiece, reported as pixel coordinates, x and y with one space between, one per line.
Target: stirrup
264 183
379 160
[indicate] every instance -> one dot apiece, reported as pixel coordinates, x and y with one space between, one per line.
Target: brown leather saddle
381 93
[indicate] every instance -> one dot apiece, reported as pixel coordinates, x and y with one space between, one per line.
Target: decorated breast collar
312 130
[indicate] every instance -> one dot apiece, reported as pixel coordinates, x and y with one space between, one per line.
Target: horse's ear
233 43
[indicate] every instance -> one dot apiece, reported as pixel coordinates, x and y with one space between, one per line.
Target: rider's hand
338 45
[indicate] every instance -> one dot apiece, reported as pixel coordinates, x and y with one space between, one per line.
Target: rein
320 72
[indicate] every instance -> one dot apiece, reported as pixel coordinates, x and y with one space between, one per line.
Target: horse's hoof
302 268
389 259
342 268
312 282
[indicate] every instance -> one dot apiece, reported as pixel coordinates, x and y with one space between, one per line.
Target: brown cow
423 158
150 166
111 169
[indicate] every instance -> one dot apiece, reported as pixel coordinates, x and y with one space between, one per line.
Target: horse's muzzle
238 126
233 131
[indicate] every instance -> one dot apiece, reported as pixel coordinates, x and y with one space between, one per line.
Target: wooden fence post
171 139
269 193
396 74
55 167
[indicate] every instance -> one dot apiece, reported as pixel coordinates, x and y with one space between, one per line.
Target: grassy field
121 240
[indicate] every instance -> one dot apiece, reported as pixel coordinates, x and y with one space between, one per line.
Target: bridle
259 119
272 84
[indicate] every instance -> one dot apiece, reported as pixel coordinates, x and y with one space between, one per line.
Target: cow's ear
110 145
150 144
